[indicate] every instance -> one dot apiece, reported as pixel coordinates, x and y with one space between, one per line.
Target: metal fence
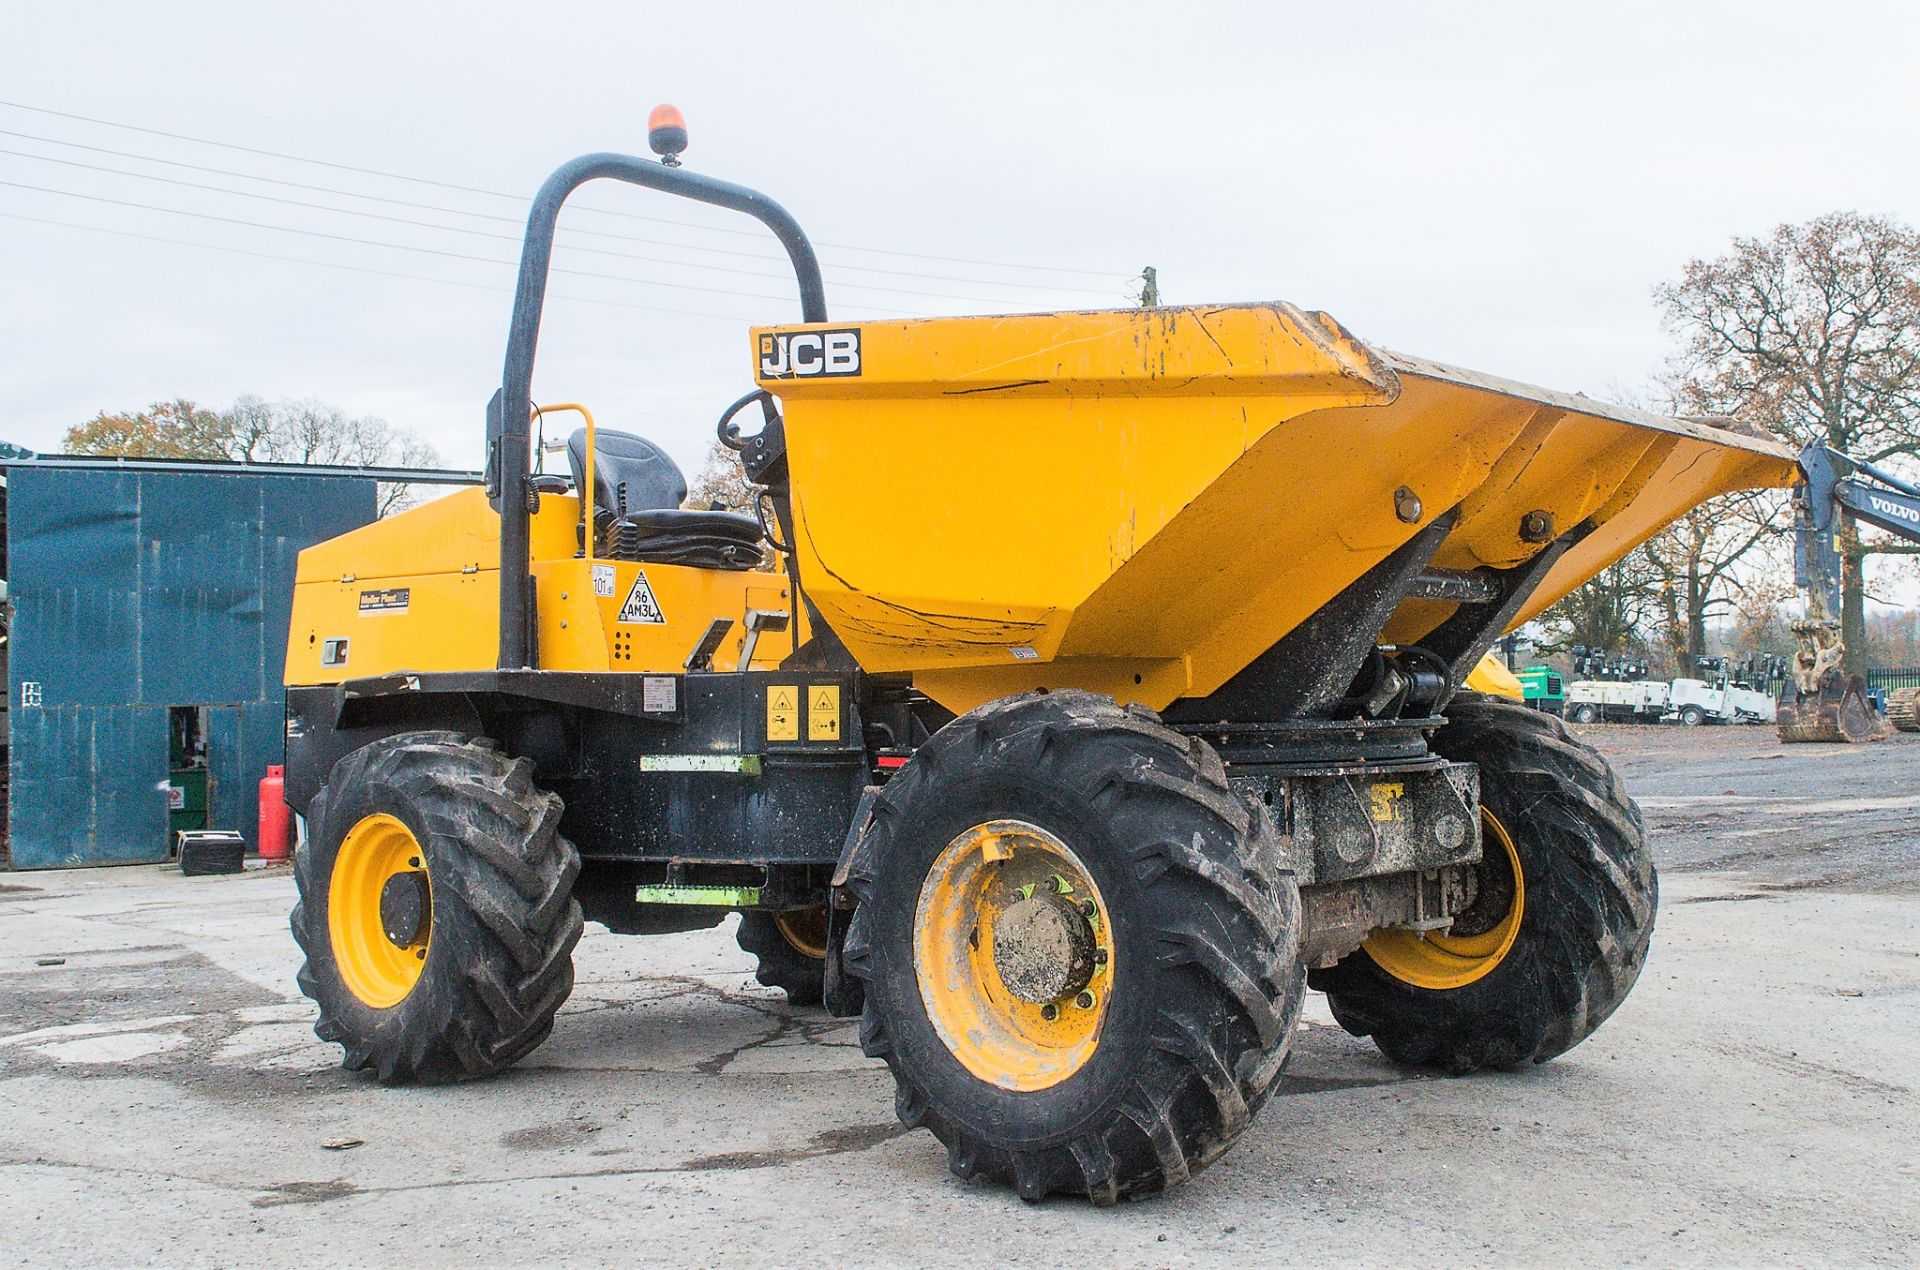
1887 680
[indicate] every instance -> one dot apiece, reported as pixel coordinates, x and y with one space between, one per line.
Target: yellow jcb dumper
1111 689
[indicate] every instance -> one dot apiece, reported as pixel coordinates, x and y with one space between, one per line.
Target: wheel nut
1089 910
1049 1012
1084 1001
1099 956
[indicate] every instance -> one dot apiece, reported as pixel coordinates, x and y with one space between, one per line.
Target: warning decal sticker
823 712
783 712
640 606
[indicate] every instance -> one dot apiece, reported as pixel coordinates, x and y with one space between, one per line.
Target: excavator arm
1820 701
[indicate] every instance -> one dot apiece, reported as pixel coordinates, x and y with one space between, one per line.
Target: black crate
204 851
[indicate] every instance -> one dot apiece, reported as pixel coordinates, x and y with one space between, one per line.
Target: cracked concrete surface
162 1097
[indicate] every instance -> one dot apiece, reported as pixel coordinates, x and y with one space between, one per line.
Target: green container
186 800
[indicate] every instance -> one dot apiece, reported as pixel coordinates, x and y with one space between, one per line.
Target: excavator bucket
1838 712
1821 702
1141 502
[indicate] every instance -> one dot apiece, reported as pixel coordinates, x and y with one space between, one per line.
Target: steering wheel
730 434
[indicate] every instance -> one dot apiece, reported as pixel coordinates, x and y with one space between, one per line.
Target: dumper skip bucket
1141 502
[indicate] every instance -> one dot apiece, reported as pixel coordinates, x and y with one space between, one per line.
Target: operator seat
637 492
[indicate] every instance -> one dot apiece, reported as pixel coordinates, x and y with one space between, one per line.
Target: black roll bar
508 420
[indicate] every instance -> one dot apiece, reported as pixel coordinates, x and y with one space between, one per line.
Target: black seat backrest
630 474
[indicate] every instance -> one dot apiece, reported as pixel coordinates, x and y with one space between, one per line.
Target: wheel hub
1043 948
1481 934
1015 956
380 910
404 908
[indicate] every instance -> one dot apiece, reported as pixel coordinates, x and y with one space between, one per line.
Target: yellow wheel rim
805 930
1014 955
375 968
1440 960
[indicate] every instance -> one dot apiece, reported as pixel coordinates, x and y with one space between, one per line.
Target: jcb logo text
808 354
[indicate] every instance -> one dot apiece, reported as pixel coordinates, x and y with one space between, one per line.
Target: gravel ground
1788 817
162 1097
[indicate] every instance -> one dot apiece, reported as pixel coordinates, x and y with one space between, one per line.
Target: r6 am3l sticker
640 607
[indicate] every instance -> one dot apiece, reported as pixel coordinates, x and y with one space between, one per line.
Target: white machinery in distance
1618 691
1616 701
1695 701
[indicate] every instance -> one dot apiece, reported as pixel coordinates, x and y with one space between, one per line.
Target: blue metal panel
129 773
74 579
134 592
200 624
233 797
50 796
88 786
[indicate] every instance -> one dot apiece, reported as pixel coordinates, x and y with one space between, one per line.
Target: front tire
1523 984
436 909
1585 714
1692 717
1079 948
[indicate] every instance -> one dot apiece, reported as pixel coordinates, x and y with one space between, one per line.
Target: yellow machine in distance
1123 673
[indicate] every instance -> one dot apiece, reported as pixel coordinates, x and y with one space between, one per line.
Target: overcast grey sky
1494 185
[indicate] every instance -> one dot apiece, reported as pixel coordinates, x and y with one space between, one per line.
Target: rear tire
495 949
776 941
1692 717
1586 918
1584 714
1184 891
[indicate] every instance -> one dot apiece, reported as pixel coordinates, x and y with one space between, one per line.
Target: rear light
890 762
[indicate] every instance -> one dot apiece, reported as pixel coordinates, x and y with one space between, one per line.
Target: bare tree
721 483
1813 333
1697 562
1610 612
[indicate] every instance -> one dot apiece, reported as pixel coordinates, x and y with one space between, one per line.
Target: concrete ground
162 1097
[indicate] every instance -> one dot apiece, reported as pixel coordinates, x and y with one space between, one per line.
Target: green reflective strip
735 764
720 896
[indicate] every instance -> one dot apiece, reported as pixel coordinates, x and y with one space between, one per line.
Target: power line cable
381 273
478 233
473 189
507 220
430 251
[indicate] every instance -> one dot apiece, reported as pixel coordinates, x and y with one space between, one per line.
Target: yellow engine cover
420 591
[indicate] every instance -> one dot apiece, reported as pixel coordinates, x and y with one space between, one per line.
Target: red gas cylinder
276 839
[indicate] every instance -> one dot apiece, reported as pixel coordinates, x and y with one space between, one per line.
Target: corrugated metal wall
134 592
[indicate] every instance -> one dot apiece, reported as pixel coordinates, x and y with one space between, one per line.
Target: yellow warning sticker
823 712
783 712
1385 801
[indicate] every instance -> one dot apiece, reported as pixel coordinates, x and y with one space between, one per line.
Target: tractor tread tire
1591 895
778 963
1901 710
500 957
1215 930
